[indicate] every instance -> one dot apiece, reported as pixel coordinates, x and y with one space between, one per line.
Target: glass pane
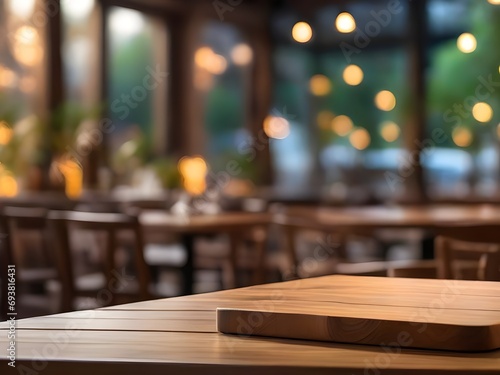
137 79
222 72
344 96
22 92
79 51
464 101
22 57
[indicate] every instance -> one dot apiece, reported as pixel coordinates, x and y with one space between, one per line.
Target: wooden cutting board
388 312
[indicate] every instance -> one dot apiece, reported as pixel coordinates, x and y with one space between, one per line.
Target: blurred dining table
189 227
367 220
370 218
179 335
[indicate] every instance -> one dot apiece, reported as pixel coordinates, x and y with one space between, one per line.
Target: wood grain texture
178 335
444 317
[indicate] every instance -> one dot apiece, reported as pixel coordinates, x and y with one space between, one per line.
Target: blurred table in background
233 224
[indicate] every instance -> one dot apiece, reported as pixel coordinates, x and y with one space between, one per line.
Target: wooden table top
376 217
178 335
226 221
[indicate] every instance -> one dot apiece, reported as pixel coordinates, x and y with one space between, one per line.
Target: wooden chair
459 256
108 286
26 245
462 251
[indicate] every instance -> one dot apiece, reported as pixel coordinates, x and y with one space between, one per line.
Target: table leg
188 269
234 242
428 247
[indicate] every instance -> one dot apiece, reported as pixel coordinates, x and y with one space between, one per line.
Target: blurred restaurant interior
185 146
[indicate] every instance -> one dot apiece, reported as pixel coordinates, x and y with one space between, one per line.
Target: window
223 63
137 78
462 98
342 97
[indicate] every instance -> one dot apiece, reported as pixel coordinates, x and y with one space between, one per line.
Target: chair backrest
19 220
468 251
111 223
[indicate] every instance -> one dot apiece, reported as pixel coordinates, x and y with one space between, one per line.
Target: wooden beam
416 127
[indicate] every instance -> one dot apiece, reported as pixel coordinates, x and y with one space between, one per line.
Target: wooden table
369 219
189 227
178 336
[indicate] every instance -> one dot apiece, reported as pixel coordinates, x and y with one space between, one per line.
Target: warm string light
342 125
276 127
482 112
242 54
360 139
385 100
390 131
320 85
462 136
345 23
467 43
205 58
353 75
302 32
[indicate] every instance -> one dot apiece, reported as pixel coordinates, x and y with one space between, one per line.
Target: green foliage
167 172
455 76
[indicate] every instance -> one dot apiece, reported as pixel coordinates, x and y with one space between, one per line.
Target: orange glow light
5 133
276 127
73 176
320 85
302 32
385 100
194 172
342 125
360 139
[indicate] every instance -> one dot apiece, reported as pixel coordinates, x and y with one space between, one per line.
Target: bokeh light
207 59
8 183
126 23
324 119
5 133
353 75
73 177
8 78
467 43
360 139
302 32
342 125
390 131
320 85
494 2
462 136
26 46
482 112
77 10
242 54
276 127
385 100
22 8
194 172
345 23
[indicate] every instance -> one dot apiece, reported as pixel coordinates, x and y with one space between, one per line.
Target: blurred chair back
468 251
27 245
111 224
